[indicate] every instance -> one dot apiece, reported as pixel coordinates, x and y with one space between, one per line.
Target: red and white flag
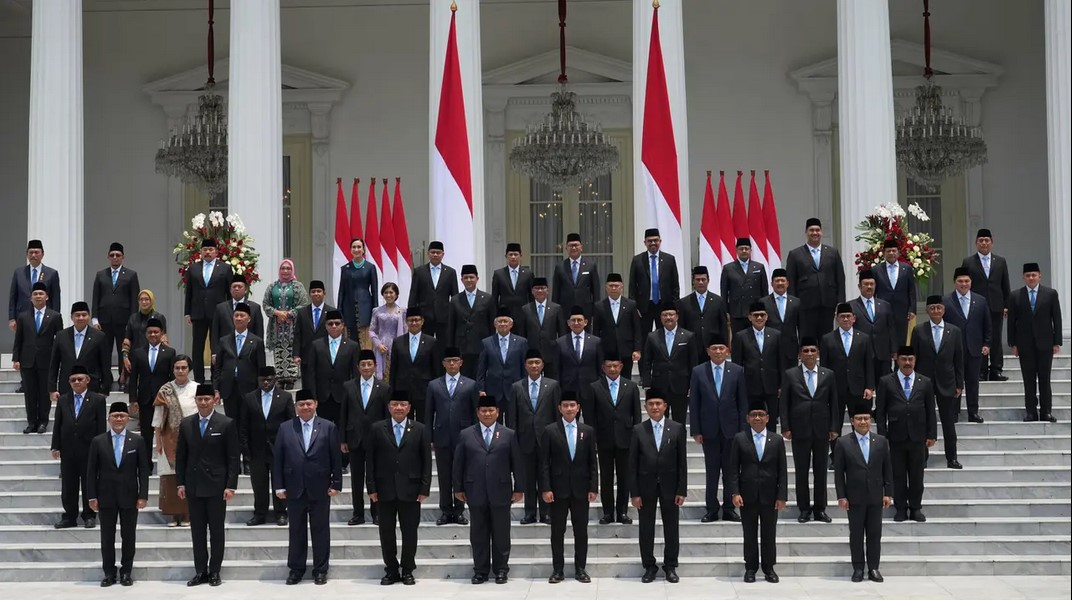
355 216
388 267
404 258
770 225
341 253
740 215
710 239
725 222
755 223
372 228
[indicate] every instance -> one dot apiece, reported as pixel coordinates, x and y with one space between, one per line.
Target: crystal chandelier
932 143
563 150
197 153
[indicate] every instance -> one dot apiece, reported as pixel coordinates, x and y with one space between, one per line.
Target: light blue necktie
77 405
577 345
718 379
870 310
1031 297
811 382
654 279
701 299
614 304
907 386
266 403
986 264
846 340
965 306
334 350
760 440
539 313
204 425
657 429
937 333
115 277
117 447
435 276
892 271
78 337
614 392
307 434
398 434
239 341
865 446
744 266
316 317
571 441
365 388
815 255
504 346
534 394
206 272
487 438
576 270
513 278
33 276
781 307
152 358
472 298
413 342
37 320
759 340
450 386
669 341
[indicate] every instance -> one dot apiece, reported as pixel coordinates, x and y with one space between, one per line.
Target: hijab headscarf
152 302
293 276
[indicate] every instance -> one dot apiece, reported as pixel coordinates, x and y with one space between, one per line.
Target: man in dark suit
810 422
150 368
543 322
364 403
22 281
80 417
669 355
758 481
617 323
306 473
206 470
658 476
703 312
223 318
266 410
896 283
847 352
399 475
239 359
81 345
35 333
576 279
511 286
783 314
863 482
990 278
332 362
757 348
744 281
614 410
816 276
970 312
531 406
434 285
451 401
939 347
470 319
904 414
207 283
501 359
580 354
1035 336
486 461
416 359
569 479
310 325
875 317
717 406
653 279
115 298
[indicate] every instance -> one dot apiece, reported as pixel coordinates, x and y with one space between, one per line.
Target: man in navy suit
783 314
207 284
511 286
939 347
1035 336
896 283
580 354
532 406
576 279
307 473
614 410
416 359
115 298
241 356
653 279
816 276
970 312
875 317
365 403
31 354
990 279
744 282
502 358
22 281
451 401
718 404
434 284
470 319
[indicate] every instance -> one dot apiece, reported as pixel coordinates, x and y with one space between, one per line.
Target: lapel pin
496 434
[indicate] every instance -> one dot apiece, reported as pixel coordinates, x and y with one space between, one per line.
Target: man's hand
516 497
460 496
56 454
1015 352
549 497
986 351
345 448
636 357
868 394
374 496
182 492
421 498
333 492
698 438
637 502
297 360
482 393
126 364
11 325
227 495
96 326
591 496
887 501
1056 349
779 505
679 500
958 392
212 359
930 442
15 365
189 321
843 503
282 494
738 501
787 435
833 436
1004 313
55 396
95 505
141 503
910 315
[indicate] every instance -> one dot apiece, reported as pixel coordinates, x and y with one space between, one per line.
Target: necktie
539 313
115 277
117 447
77 405
334 350
571 441
744 266
206 273
865 447
781 307
701 299
892 270
503 347
413 341
365 389
37 320
846 340
614 393
316 317
759 340
435 276
513 278
398 434
669 341
1032 297
33 276
450 386
811 382
870 310
577 345
240 339
718 379
576 271
534 394
760 442
487 438
657 429
986 265
472 298
266 404
204 425
937 333
614 310
965 305
152 358
307 434
815 257
78 344
654 279
907 386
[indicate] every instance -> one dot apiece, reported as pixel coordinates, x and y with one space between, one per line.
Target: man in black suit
1035 337
365 403
81 345
266 410
580 354
501 359
939 347
531 406
896 283
617 323
80 417
35 333
669 355
399 475
658 476
150 368
970 312
486 461
332 362
810 423
117 484
576 279
223 321
758 481
876 317
847 352
783 314
434 285
307 473
240 357
990 278
416 359
569 479
470 319
653 279
703 312
863 482
511 286
744 282
115 298
451 402
207 283
206 470
757 348
22 281
816 276
904 414
310 325
614 410
543 322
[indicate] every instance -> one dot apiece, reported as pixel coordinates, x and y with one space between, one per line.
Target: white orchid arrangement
235 246
889 221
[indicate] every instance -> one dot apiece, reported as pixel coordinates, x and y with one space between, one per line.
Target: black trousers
909 461
649 320
677 406
760 524
309 518
409 517
128 521
883 366
448 504
489 536
532 492
814 322
611 460
73 463
206 519
947 413
972 366
810 454
358 484
577 508
716 452
260 476
197 348
671 531
145 422
996 361
865 528
113 336
1036 366
35 394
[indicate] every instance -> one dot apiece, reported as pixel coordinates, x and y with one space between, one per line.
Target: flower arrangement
235 246
890 222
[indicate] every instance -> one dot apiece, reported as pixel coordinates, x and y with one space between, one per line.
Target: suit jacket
403 471
863 482
412 376
996 288
484 473
658 471
1041 328
144 383
33 348
505 295
976 326
668 369
94 356
640 279
806 416
902 296
882 330
114 305
307 473
855 372
759 481
613 423
235 371
355 419
576 372
544 337
329 377
257 432
762 370
901 420
562 475
526 421
19 298
712 414
223 322
434 300
584 293
466 326
820 287
201 300
207 465
715 316
740 289
944 367
789 327
74 434
623 336
118 486
495 376
448 416
304 331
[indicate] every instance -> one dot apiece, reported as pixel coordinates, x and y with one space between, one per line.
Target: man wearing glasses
115 298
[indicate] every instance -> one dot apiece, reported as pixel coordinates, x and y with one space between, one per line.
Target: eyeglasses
756 415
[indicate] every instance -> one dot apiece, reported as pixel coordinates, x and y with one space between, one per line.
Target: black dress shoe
197 579
771 577
108 581
625 519
649 574
356 521
245 468
917 516
90 523
901 515
295 577
804 517
875 576
556 577
749 576
975 418
407 579
376 520
282 521
1048 417
346 469
528 519
731 515
546 519
582 576
956 418
256 521
501 577
1029 417
65 524
954 464
42 428
998 377
822 516
320 578
671 575
460 519
857 575
31 429
390 579
710 517
444 519
606 519
126 580
214 579
478 579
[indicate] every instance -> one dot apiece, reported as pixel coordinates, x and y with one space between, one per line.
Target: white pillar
56 192
1059 155
255 131
865 118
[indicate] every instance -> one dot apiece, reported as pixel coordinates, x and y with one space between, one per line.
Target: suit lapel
313 435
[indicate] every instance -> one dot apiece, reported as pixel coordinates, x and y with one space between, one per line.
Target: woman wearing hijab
174 401
357 294
134 336
282 300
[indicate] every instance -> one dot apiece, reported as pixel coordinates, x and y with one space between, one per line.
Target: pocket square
217 433
132 451
584 272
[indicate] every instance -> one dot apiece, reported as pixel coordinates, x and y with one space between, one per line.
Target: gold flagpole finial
709 173
453 7
655 4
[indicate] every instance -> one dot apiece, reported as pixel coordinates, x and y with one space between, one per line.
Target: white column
55 211
255 130
865 118
1059 155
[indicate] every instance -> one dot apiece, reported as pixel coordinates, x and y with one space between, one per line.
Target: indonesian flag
770 224
710 240
341 253
389 267
355 216
756 230
372 229
740 215
404 261
725 222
